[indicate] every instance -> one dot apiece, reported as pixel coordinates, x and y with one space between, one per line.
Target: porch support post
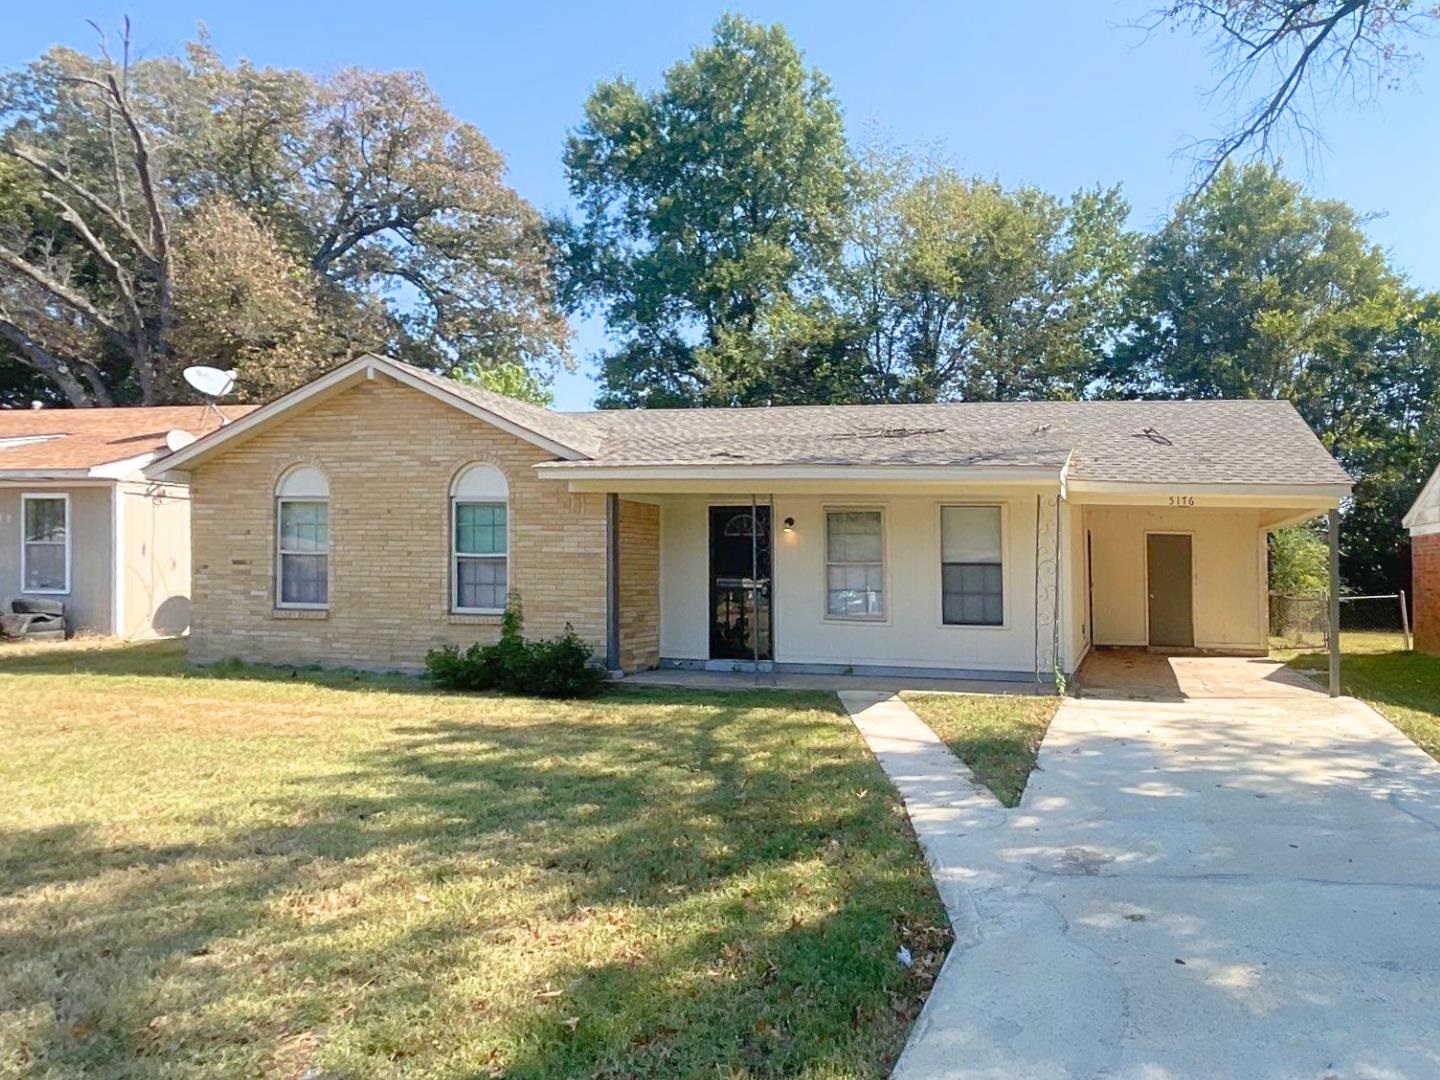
1334 603
612 582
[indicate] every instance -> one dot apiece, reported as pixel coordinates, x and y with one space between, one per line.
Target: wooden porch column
1334 603
612 582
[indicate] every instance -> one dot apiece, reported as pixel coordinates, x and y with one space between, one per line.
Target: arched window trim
302 539
480 495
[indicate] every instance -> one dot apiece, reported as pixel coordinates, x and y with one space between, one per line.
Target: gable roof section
564 436
83 442
1425 514
1099 442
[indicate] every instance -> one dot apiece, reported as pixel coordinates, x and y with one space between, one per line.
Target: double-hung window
480 541
45 543
302 551
854 564
972 572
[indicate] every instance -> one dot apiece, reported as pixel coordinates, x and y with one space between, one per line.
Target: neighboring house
1423 521
380 511
81 524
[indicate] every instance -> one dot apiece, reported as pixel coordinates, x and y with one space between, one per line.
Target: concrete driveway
1205 886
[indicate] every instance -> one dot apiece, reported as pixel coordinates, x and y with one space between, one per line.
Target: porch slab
1136 674
788 680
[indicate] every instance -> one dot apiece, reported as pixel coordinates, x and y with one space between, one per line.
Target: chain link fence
1367 623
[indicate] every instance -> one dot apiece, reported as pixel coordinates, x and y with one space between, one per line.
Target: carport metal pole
1335 603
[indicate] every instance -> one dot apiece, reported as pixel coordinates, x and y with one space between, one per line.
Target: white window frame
33 496
457 501
1004 509
280 552
826 563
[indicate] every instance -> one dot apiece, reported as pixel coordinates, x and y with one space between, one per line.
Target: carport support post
1334 603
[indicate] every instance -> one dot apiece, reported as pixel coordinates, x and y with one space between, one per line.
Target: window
45 544
302 513
972 578
854 564
480 540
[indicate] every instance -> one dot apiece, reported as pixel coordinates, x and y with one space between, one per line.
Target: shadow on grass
690 882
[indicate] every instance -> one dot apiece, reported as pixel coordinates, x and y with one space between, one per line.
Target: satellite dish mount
212 384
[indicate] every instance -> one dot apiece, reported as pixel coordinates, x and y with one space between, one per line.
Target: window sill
300 613
474 618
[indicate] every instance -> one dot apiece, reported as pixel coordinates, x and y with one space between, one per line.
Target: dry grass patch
265 872
998 736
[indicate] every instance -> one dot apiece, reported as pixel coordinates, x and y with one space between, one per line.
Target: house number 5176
1182 500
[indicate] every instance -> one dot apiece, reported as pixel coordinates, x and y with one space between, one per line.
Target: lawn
1404 687
263 872
998 737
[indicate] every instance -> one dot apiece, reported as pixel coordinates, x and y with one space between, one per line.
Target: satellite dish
178 439
212 382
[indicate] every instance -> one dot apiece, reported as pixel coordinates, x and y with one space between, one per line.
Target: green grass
260 872
1403 687
997 737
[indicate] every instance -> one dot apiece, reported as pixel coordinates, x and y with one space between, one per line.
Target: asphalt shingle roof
1152 442
37 439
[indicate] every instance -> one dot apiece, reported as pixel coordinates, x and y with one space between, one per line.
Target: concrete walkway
1211 887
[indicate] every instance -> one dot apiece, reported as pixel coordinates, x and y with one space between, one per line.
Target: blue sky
1057 94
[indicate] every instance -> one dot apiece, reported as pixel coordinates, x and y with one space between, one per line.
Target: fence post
1404 620
1334 602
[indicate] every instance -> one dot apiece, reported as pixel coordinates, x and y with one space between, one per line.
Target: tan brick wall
1425 562
639 585
390 454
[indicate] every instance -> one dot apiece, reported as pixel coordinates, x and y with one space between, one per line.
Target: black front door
739 583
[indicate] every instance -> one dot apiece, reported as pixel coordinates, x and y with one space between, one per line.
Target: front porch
928 583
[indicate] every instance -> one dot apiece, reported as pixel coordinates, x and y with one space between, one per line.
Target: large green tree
709 213
966 290
1254 289
367 204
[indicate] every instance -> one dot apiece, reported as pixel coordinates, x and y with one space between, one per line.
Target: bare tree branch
41 359
108 212
77 301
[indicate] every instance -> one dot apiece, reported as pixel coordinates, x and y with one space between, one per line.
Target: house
380 511
1423 521
80 523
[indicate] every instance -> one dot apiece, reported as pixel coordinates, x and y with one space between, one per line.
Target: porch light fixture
789 524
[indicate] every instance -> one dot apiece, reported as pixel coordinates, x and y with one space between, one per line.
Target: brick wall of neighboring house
390 454
1425 556
639 585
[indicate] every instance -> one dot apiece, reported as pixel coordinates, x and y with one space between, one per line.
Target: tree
970 291
708 212
362 182
1283 60
1255 290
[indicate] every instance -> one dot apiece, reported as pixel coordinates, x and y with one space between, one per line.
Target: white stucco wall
911 634
1229 575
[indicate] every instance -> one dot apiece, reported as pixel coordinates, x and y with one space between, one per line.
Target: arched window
479 540
302 548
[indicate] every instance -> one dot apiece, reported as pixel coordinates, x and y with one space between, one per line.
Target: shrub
557 668
561 668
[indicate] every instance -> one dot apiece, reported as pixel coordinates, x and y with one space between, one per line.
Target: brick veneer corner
639 585
1425 562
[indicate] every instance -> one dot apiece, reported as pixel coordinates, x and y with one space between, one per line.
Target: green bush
555 668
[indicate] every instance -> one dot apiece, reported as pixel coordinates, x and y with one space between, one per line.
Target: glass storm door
739 598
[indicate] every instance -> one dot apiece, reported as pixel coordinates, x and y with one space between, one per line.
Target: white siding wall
1228 553
911 635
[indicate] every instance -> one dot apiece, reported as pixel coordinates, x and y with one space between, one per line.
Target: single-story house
80 522
1423 521
380 511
